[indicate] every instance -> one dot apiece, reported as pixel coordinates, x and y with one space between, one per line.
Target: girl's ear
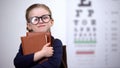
52 22
29 27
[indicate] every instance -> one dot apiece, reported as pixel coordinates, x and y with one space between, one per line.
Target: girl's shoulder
56 41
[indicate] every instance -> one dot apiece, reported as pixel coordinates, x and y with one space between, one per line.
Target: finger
46 45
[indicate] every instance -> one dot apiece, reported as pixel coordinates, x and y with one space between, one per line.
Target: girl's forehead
38 12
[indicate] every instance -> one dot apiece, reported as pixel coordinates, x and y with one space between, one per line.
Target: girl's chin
40 31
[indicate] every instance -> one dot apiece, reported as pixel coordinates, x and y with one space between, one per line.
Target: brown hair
36 6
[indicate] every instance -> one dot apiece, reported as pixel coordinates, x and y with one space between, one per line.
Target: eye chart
93 33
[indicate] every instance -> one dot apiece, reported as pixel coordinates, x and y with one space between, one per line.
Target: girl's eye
34 19
45 17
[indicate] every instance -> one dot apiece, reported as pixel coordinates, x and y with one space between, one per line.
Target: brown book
34 42
47 35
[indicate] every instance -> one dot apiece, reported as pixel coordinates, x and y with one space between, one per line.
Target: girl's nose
40 21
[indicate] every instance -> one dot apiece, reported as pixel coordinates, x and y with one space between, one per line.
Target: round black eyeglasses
45 19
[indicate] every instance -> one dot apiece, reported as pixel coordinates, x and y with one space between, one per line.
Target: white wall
13 25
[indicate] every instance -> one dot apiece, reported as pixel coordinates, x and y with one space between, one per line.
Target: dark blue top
26 61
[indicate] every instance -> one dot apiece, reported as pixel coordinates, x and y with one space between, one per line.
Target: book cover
34 41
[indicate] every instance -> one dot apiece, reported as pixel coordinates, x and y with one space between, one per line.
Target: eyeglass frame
39 17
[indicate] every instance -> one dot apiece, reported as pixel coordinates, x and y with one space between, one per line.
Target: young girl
39 19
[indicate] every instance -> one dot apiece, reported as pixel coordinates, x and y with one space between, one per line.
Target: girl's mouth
41 26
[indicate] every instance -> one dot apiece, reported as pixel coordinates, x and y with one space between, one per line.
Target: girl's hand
45 52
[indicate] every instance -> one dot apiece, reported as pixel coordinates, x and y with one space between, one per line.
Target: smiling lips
41 26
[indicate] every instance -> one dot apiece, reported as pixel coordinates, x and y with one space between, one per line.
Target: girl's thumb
46 45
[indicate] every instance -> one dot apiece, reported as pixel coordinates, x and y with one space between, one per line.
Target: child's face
40 26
